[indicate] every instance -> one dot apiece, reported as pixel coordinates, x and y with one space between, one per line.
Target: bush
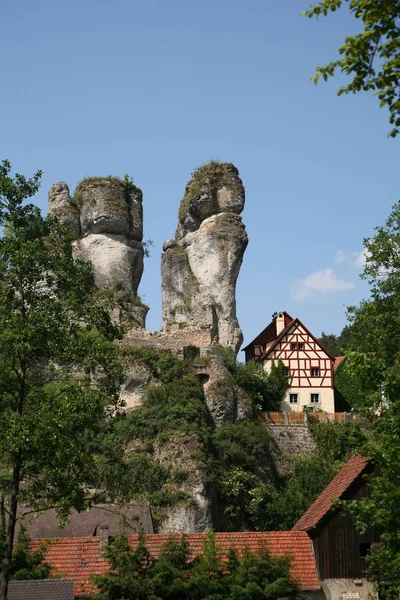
26 564
348 391
177 575
336 441
240 472
266 389
163 365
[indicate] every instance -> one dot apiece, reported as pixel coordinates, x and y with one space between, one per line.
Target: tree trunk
12 518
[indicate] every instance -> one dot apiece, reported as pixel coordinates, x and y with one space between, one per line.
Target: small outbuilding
340 549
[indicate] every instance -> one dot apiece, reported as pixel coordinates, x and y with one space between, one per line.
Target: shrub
177 575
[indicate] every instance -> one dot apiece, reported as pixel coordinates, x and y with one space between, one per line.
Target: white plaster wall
326 399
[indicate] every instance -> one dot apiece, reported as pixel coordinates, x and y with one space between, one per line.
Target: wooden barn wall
337 542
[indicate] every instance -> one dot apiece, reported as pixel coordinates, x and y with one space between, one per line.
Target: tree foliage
58 367
374 364
26 564
349 391
370 58
265 389
376 322
178 575
336 344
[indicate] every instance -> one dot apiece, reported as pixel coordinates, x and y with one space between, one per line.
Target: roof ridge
353 468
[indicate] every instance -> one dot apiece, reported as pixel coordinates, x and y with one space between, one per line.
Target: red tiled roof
338 360
295 323
78 558
269 333
334 490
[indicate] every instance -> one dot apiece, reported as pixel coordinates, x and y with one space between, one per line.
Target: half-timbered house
306 362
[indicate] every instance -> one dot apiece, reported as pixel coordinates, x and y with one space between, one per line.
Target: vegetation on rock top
209 178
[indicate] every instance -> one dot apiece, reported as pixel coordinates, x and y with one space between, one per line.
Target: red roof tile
338 360
334 490
78 558
269 333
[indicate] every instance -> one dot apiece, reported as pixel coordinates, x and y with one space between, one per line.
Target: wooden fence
293 418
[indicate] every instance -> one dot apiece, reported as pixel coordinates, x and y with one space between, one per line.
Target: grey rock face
184 518
116 263
138 378
225 400
107 217
199 274
60 206
168 244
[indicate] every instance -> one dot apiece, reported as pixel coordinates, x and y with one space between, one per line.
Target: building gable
309 364
264 339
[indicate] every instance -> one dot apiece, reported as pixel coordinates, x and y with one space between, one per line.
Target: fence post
325 416
286 417
305 417
344 417
266 417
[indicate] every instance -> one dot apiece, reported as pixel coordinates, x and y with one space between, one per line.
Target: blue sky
156 88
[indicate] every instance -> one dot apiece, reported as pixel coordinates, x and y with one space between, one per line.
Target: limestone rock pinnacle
199 273
107 217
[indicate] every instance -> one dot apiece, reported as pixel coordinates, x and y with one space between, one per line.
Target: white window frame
294 401
314 401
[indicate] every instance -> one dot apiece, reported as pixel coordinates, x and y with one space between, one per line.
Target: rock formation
107 217
201 266
226 401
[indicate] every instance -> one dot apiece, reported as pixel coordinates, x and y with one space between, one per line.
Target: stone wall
294 439
173 340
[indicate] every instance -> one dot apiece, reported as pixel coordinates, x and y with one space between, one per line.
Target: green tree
376 322
59 371
349 392
336 344
177 575
371 58
266 389
26 564
374 364
128 578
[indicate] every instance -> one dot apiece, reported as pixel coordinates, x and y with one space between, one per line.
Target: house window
315 372
286 371
301 346
293 346
314 398
293 398
365 548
